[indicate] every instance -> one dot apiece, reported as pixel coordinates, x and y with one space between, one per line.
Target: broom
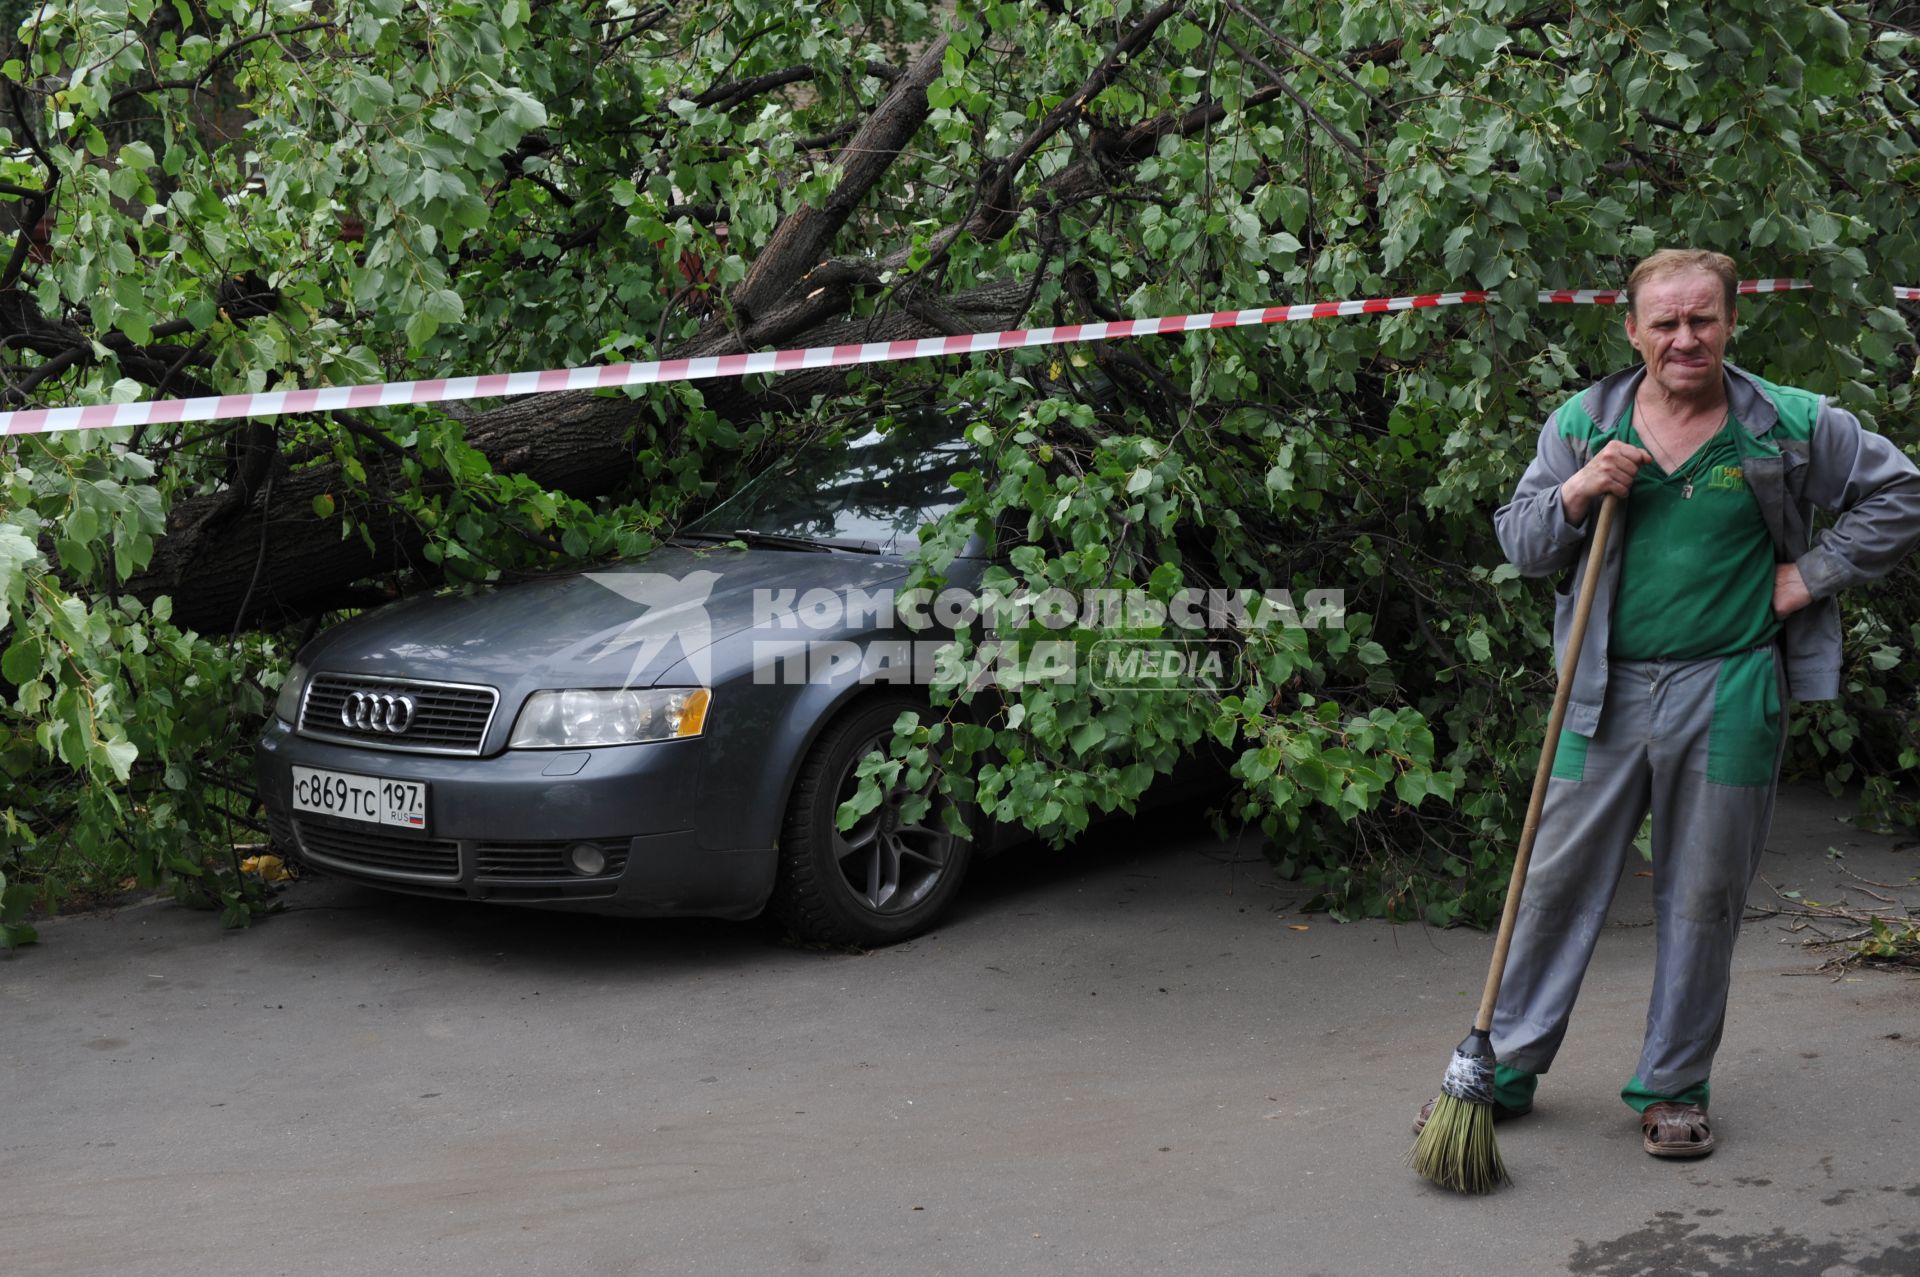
1456 1148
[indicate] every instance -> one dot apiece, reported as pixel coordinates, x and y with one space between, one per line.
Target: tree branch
1346 143
994 206
36 205
821 141
1324 64
355 426
213 63
19 390
993 211
804 235
724 97
732 93
1141 140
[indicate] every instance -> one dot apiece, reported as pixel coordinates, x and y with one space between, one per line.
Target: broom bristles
1457 1149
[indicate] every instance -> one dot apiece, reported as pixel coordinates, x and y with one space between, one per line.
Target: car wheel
884 879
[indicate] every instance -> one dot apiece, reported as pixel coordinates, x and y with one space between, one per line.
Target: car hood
621 626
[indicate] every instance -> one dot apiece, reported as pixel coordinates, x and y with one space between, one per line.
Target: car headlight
287 707
576 719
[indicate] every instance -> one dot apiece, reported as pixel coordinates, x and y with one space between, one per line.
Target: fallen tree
267 197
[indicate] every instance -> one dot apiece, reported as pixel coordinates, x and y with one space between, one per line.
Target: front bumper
500 828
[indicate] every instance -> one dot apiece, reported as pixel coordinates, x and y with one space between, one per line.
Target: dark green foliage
441 188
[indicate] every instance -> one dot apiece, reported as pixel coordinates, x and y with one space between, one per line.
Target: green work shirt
1697 579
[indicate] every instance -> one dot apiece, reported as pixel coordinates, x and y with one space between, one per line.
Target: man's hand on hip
1790 593
1611 470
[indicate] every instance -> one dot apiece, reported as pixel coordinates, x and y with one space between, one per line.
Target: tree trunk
276 560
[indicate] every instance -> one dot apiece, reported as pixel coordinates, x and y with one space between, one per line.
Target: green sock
1638 1097
1512 1088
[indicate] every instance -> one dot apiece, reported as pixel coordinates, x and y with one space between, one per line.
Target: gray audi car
668 736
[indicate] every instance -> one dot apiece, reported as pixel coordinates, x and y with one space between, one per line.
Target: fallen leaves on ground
266 868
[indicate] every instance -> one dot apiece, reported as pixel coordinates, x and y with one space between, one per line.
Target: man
1715 606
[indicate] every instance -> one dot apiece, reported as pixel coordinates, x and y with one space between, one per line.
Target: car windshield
870 490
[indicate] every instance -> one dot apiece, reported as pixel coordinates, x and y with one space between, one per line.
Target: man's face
1680 324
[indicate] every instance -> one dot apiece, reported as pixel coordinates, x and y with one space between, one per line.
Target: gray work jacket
1798 453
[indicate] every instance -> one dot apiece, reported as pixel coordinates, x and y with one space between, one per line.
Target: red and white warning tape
274 403
1615 296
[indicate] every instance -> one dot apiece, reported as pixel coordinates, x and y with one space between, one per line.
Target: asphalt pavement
1137 1056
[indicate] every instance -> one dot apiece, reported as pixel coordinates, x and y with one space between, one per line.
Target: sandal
1500 1113
1670 1129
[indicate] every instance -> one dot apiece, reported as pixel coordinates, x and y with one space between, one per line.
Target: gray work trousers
1697 743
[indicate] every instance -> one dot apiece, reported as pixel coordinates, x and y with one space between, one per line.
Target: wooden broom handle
1569 662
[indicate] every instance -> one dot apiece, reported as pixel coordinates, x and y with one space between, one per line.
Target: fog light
586 859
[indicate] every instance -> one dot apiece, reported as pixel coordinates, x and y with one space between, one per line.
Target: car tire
881 881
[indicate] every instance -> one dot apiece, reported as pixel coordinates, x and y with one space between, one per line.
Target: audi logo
377 712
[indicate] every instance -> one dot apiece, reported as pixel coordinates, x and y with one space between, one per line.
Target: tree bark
277 561
805 235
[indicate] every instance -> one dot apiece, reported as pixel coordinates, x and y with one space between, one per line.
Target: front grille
542 860
377 852
448 718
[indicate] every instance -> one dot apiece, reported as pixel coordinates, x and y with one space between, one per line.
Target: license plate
366 798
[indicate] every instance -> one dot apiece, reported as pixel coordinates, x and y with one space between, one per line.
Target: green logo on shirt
1727 478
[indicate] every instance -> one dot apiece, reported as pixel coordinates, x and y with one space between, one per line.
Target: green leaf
76 557
22 660
522 110
444 305
420 328
1186 37
120 754
82 525
1410 787
1087 737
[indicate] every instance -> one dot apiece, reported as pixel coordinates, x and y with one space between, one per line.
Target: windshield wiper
776 541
